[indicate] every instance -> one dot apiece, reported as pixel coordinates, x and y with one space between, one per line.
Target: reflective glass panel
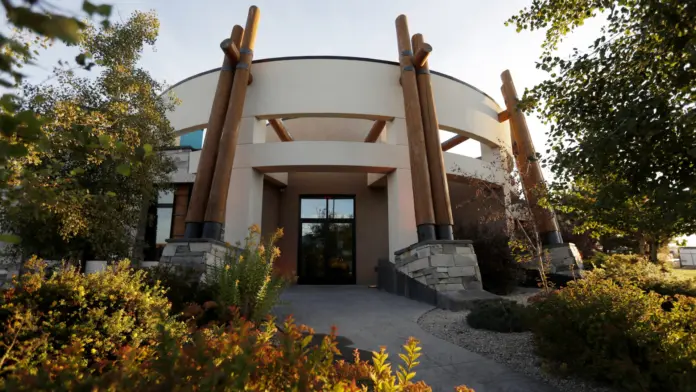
313 208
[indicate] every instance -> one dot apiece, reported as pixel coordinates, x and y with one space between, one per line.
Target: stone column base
565 259
196 253
443 265
562 259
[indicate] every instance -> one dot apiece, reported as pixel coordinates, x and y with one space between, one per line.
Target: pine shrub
245 278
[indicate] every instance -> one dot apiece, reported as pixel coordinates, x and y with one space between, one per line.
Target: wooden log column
422 194
215 210
206 164
436 162
533 182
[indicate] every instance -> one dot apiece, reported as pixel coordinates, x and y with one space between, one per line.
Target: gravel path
514 350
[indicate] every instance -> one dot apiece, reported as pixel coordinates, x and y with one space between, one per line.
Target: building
323 153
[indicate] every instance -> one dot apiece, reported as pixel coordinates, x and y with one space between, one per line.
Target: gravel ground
514 350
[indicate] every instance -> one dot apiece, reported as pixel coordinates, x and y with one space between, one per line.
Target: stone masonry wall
564 258
194 253
441 265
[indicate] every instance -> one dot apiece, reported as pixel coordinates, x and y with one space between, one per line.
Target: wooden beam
436 163
422 53
453 142
420 177
503 116
208 159
231 50
280 130
533 182
375 131
217 202
287 116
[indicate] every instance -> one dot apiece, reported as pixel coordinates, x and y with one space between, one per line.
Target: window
327 240
165 213
159 225
193 139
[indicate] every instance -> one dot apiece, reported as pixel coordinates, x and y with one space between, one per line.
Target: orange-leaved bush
44 316
240 356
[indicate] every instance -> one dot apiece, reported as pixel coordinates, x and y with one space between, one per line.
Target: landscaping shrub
619 333
183 285
245 279
44 315
499 270
239 357
638 271
499 316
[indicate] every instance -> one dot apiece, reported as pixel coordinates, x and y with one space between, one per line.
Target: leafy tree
622 113
20 128
79 191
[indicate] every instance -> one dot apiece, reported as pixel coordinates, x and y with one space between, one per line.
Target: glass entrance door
327 240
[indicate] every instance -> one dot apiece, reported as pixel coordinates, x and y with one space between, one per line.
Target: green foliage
499 316
67 196
245 278
183 285
241 356
22 128
635 340
499 269
45 318
637 271
622 120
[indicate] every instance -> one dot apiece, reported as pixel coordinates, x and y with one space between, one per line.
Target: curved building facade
322 152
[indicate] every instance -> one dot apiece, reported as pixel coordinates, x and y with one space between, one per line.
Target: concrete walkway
367 318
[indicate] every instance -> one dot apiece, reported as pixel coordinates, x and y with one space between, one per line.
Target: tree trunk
137 253
654 245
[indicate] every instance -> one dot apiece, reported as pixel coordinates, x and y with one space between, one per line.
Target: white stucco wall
315 87
329 105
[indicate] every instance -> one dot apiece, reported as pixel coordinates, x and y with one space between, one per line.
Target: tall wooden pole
215 210
436 161
422 194
206 164
530 170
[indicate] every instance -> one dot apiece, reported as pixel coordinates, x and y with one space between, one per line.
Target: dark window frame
327 221
151 243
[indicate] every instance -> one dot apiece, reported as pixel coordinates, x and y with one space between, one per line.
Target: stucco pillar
401 214
395 132
244 203
245 195
251 131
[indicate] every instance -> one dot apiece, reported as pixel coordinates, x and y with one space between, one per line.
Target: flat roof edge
365 59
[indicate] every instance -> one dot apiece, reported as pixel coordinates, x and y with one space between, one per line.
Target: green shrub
619 333
500 272
42 316
245 279
498 316
183 285
638 271
239 357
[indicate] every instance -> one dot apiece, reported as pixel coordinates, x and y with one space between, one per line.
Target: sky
469 39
